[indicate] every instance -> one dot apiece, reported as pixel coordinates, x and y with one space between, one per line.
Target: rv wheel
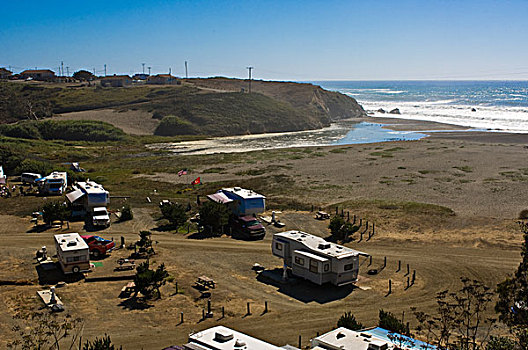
76 269
95 254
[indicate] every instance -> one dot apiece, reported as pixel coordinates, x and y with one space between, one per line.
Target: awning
219 197
73 196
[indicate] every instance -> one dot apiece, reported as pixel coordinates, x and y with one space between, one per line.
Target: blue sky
283 40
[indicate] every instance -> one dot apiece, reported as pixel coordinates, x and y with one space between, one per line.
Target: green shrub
175 213
55 211
214 215
34 166
172 125
126 213
349 321
388 321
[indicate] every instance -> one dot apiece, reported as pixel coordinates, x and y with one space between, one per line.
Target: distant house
5 74
116 81
140 76
38 74
161 79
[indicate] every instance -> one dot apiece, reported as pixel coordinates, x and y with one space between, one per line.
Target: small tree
341 229
500 343
144 244
390 322
55 211
214 215
83 75
45 330
149 281
175 213
349 321
104 343
512 305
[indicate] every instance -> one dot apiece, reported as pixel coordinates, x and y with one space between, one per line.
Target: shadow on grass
303 290
135 303
51 273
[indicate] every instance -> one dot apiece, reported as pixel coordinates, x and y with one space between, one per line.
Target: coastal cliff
212 107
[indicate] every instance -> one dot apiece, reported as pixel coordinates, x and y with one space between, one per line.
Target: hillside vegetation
214 107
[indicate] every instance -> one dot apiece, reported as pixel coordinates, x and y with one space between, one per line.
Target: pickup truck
100 217
247 227
98 246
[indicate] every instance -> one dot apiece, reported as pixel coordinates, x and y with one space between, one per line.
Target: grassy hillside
214 107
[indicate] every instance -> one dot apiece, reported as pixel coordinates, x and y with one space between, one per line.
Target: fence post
399 266
390 287
265 306
181 317
248 309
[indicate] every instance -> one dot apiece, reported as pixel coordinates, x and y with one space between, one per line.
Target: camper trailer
54 183
315 259
73 253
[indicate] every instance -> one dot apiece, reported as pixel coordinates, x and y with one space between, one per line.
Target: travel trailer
53 184
2 176
86 196
73 253
315 259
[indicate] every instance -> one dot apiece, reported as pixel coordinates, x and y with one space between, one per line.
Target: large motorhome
53 184
86 196
315 259
73 253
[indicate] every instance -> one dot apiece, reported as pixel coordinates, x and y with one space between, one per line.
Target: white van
29 178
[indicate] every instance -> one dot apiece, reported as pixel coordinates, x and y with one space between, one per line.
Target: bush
174 213
55 211
523 215
349 321
69 130
148 280
172 126
100 344
34 166
126 213
214 215
388 321
11 157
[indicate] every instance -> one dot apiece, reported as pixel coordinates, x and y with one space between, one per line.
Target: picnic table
128 289
322 215
205 282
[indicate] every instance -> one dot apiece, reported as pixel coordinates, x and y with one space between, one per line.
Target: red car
98 246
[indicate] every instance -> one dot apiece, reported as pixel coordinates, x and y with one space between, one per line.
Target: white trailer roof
319 245
70 242
346 339
223 338
242 192
90 187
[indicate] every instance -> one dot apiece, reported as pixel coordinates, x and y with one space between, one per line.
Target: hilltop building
162 79
116 80
5 73
38 74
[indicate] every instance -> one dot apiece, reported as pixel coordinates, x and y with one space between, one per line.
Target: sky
283 40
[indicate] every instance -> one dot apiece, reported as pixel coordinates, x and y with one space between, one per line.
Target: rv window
278 246
326 267
349 267
299 261
69 259
313 266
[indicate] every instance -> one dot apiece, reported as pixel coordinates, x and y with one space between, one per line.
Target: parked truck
98 246
244 206
100 217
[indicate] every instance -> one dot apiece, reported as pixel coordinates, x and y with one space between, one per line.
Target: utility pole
68 71
149 69
62 68
169 71
186 73
94 72
249 70
105 70
143 64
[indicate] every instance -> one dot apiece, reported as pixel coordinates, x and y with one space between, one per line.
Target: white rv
315 259
54 183
73 253
87 196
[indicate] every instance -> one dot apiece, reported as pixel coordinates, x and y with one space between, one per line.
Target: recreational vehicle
29 178
73 253
54 183
315 259
2 176
86 196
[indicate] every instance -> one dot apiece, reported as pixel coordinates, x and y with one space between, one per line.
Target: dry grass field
445 205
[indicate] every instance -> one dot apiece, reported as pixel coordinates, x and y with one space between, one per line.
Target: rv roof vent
240 344
324 245
237 188
340 335
71 243
366 335
222 337
63 240
300 239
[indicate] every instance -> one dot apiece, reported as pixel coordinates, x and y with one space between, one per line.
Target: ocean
499 105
